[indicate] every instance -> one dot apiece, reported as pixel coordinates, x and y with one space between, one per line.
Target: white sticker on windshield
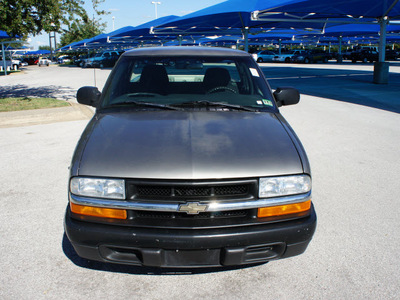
267 102
254 72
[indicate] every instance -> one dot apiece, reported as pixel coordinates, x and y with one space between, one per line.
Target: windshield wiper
144 104
215 104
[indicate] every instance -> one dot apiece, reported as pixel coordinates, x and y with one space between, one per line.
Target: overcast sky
133 13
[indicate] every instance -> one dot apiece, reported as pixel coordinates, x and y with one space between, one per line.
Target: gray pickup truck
187 162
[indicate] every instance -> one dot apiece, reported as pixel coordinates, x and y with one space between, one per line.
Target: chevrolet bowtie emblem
193 208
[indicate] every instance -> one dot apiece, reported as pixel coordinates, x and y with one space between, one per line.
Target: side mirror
88 95
286 96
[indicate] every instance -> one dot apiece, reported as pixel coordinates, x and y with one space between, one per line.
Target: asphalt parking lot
354 155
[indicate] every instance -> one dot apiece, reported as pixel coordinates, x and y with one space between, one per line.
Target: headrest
216 77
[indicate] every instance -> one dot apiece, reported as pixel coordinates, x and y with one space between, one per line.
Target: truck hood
187 145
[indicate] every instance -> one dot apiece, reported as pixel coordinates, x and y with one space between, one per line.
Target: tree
44 47
85 28
23 17
78 31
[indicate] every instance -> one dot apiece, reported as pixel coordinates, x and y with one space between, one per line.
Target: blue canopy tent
5 36
229 17
68 47
125 36
140 32
144 28
38 52
220 40
340 12
339 34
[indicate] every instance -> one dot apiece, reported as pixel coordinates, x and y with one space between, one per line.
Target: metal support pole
382 39
246 39
340 58
51 48
280 47
52 36
381 68
4 59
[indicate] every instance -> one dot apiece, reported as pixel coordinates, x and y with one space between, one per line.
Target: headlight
97 187
283 186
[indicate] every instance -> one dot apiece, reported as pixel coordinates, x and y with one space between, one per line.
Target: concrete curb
73 112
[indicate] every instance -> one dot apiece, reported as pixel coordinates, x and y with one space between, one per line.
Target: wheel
101 66
365 60
325 60
353 61
306 60
287 59
260 60
220 89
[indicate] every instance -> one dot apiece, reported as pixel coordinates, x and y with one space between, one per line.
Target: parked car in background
311 56
364 56
89 62
347 54
287 57
44 61
31 60
188 163
11 63
102 59
392 55
80 59
108 59
265 55
63 59
372 55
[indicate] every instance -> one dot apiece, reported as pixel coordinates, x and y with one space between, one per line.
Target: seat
154 79
216 77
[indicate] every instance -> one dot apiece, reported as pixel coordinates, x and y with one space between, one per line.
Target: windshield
178 81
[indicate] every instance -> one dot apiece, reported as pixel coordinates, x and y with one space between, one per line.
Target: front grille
192 191
182 192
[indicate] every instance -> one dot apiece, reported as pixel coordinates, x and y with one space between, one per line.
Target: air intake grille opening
187 192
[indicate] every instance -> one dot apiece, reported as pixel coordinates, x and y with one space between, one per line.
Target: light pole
113 19
155 4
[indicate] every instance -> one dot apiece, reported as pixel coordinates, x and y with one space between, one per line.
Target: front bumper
213 247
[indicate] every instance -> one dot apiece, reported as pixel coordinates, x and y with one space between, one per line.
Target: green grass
8 72
15 104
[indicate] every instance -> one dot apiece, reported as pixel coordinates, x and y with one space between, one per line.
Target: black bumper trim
190 247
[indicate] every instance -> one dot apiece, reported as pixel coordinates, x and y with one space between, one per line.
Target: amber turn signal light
281 210
98 211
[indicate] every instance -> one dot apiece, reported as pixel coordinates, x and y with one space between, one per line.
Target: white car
287 57
13 64
263 56
44 61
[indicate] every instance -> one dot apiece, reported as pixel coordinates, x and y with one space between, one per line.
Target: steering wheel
220 89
